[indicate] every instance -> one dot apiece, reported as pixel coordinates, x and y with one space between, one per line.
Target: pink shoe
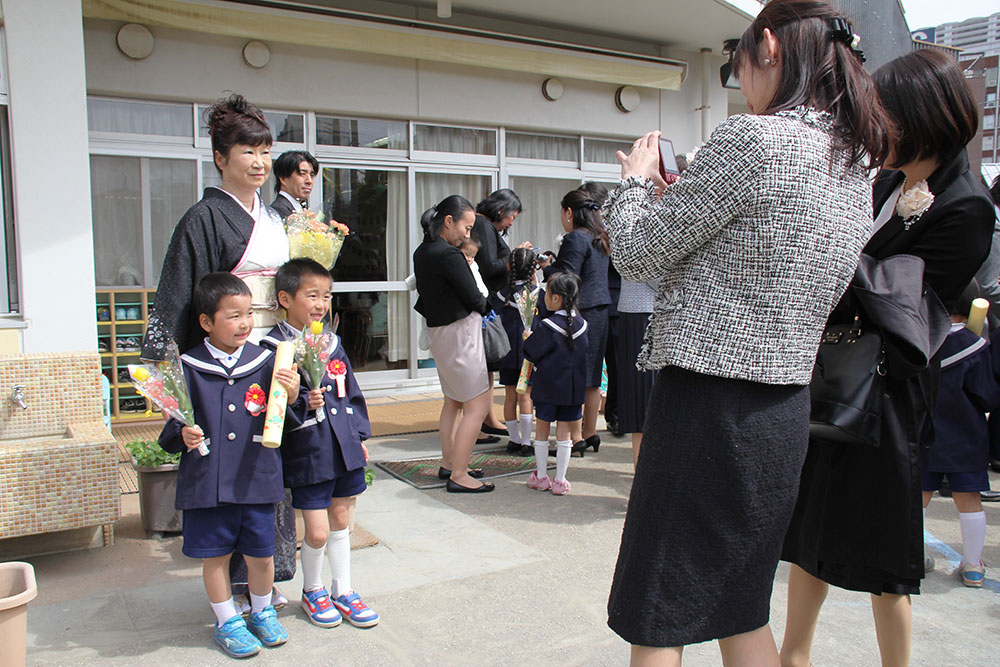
542 484
560 488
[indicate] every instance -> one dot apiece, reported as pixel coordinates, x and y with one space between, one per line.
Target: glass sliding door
539 221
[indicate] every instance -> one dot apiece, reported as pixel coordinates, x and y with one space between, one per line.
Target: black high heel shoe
475 473
580 447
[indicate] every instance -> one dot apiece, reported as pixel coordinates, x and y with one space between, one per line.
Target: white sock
338 553
541 458
259 602
312 566
526 428
973 525
563 450
223 610
512 430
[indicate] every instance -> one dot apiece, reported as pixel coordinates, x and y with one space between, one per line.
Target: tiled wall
59 390
58 462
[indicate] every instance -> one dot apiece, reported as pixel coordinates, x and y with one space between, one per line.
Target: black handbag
495 341
847 391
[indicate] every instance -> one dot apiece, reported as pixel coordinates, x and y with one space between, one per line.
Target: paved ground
514 577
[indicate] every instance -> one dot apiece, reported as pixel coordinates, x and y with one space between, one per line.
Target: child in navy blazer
558 348
521 278
324 459
967 390
228 496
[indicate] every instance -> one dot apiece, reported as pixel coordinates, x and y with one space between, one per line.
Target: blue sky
930 13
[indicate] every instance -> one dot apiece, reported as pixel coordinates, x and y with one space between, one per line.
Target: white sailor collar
202 358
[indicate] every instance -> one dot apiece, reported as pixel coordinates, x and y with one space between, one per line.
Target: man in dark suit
295 172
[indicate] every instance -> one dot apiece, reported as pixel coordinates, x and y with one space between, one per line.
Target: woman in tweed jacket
753 247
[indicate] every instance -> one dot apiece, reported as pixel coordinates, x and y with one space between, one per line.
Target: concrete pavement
514 577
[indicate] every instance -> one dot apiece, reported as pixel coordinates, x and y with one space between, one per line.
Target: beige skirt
460 358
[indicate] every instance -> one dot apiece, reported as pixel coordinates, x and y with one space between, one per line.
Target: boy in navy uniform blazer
557 347
324 458
228 495
967 390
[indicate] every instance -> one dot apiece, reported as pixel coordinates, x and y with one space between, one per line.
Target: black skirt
597 340
713 493
634 386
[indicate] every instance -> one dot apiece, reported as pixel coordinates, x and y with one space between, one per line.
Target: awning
317 30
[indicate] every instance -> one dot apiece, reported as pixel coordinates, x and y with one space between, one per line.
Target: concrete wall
51 173
187 66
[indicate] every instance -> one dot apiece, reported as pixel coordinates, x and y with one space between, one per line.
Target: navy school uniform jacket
228 406
511 320
967 390
319 451
559 377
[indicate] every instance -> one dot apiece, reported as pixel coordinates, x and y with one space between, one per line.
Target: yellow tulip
140 374
316 328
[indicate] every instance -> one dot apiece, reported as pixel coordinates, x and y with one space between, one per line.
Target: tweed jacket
753 247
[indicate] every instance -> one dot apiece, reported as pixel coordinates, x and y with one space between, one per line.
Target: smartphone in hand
668 164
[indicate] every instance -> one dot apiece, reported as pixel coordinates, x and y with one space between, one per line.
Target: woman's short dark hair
995 191
499 204
211 289
820 69
288 163
926 96
586 207
433 218
234 120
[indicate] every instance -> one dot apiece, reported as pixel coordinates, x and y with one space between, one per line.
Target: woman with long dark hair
857 522
453 306
584 251
753 247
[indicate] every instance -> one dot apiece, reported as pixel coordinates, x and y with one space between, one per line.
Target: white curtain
116 203
172 192
454 140
332 131
139 118
603 151
539 219
397 257
542 147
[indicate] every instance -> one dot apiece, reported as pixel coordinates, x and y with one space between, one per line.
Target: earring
767 61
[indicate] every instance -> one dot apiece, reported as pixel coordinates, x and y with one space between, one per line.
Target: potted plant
157 473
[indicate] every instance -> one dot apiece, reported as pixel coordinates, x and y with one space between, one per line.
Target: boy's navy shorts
558 413
217 531
963 482
318 496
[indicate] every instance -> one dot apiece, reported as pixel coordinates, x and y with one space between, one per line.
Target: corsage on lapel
255 400
337 370
914 203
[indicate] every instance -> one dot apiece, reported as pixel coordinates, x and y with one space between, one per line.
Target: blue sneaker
355 611
319 609
264 624
972 575
235 640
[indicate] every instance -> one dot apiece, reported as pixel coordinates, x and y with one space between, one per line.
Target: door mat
422 473
401 417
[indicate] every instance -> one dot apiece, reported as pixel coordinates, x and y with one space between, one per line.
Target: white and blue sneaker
235 640
319 609
264 624
355 611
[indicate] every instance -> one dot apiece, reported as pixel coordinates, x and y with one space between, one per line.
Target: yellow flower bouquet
310 236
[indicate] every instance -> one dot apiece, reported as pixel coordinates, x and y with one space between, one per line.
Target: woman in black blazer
453 306
857 521
584 251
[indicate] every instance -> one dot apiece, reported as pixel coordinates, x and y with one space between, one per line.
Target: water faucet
18 397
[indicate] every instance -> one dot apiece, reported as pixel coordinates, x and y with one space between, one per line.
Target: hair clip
842 31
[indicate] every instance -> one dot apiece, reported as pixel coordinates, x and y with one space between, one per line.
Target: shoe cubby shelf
122 315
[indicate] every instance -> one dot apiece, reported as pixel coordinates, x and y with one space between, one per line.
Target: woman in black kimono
230 229
857 521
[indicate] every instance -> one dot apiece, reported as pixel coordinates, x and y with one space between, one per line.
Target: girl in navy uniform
324 458
228 495
558 348
967 390
521 278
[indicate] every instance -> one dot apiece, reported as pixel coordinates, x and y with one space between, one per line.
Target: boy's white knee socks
224 610
312 566
511 425
973 525
338 552
563 450
525 428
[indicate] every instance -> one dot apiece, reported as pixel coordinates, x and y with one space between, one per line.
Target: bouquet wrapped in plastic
163 383
310 236
526 301
312 354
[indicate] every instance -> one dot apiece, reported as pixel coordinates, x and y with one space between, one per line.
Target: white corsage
914 203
